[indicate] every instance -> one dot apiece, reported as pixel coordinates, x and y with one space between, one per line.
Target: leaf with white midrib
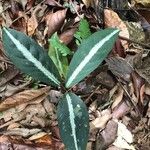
90 54
23 51
73 122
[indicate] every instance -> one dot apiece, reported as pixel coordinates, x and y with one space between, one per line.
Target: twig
27 12
5 9
136 42
130 98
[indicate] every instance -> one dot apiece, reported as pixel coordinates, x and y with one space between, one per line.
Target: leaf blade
28 56
90 54
73 122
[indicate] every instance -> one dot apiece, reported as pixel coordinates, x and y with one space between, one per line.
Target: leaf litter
117 96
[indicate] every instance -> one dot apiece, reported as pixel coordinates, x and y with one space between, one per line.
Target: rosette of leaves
30 58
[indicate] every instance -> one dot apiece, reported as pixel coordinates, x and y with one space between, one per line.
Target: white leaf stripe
31 58
88 57
72 120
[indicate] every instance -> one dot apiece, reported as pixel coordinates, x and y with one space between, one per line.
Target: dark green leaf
90 54
73 121
29 57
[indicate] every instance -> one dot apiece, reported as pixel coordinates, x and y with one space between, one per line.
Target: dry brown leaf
107 136
53 3
9 89
121 110
49 140
138 82
110 132
114 148
54 21
99 123
8 75
23 97
24 132
87 3
67 36
120 68
37 136
112 19
33 21
117 98
10 142
145 3
147 89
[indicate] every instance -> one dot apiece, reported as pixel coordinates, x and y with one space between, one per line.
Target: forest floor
117 93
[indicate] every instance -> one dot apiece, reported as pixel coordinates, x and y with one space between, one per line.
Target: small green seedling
32 59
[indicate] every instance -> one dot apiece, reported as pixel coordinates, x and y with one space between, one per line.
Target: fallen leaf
117 97
8 75
125 138
37 136
145 3
32 23
100 122
54 21
53 3
11 142
30 4
136 32
147 89
105 78
9 89
23 3
108 135
67 36
87 3
24 132
120 68
112 19
121 143
138 83
113 148
143 68
22 97
121 110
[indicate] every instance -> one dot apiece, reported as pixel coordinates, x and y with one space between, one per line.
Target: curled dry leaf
138 83
112 19
23 97
54 21
117 98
